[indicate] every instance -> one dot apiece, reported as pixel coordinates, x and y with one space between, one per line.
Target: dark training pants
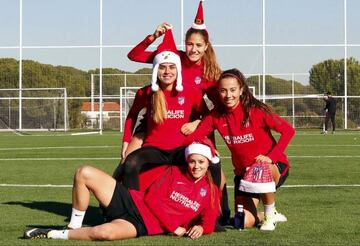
332 118
148 157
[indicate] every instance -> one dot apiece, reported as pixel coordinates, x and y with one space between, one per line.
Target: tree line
325 76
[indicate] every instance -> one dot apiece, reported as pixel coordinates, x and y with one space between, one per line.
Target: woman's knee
83 172
101 233
131 165
275 173
249 219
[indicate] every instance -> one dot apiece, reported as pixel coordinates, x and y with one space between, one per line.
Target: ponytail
159 107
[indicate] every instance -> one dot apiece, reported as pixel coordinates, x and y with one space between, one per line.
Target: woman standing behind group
245 124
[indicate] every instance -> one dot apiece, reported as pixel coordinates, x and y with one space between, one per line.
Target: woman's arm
205 127
140 101
278 124
139 53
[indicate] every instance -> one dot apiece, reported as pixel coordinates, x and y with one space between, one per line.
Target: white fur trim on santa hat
251 187
166 57
201 149
198 27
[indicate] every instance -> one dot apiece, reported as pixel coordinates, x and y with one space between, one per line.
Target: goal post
42 109
127 96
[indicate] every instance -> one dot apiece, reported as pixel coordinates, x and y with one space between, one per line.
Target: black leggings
148 157
330 117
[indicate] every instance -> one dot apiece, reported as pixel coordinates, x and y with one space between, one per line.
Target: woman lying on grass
184 201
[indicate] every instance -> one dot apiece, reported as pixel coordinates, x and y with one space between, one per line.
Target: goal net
33 109
127 96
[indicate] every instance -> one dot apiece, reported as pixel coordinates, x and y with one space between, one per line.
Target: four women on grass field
174 103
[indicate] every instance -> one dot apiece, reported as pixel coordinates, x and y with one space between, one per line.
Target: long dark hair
247 99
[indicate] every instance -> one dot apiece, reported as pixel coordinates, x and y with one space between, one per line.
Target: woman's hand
195 232
180 231
160 30
263 159
190 127
124 148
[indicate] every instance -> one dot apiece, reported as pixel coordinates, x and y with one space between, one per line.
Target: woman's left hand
190 127
263 159
195 232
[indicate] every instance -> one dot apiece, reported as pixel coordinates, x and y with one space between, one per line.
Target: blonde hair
159 107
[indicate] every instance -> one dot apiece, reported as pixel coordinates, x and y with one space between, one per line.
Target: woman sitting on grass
172 204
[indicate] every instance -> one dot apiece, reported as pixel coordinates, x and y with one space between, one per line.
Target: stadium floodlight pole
345 66
263 50
20 64
259 84
182 24
92 92
101 60
293 99
65 110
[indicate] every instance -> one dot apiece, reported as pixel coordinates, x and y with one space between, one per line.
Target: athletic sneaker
279 217
36 233
269 223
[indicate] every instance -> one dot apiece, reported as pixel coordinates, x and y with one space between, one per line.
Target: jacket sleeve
157 197
139 53
138 105
276 123
205 127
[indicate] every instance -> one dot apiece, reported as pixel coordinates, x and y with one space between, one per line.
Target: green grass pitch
320 197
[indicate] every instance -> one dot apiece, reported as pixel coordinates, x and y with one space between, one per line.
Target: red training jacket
248 141
166 135
174 200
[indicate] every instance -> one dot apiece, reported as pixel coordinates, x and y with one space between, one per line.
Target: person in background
245 124
172 204
330 111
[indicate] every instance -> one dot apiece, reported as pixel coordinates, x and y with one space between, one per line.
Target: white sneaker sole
280 217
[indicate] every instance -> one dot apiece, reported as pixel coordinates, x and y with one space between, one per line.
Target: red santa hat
258 179
166 53
199 19
205 148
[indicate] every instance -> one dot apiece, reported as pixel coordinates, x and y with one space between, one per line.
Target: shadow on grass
92 216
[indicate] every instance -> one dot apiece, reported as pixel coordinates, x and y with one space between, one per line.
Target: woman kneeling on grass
172 204
259 160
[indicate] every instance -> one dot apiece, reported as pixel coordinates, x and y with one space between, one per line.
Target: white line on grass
117 158
63 147
34 185
230 186
312 145
59 159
